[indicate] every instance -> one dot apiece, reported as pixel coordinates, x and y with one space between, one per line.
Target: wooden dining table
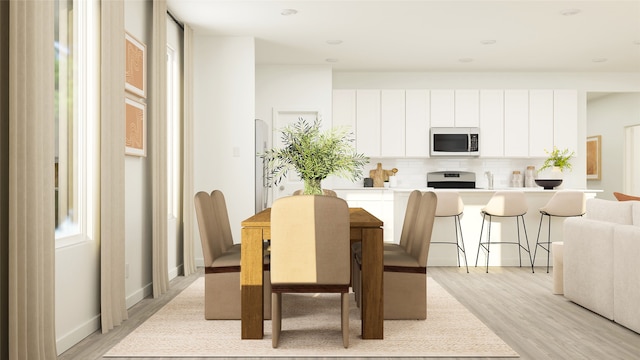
364 227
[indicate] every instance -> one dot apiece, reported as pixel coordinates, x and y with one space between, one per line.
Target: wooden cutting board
380 175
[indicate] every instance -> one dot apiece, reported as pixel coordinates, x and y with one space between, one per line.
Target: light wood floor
516 304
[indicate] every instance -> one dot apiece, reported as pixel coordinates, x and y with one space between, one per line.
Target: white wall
223 129
607 116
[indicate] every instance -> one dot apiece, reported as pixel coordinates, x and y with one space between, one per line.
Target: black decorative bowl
548 184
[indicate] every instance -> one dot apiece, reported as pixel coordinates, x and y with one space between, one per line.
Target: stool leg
526 237
488 243
464 252
548 243
519 244
535 251
480 241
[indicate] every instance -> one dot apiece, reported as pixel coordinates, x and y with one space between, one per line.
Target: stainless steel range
451 180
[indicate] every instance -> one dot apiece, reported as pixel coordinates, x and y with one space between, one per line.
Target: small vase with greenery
558 159
314 155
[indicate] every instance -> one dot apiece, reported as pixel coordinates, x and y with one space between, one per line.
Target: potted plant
558 160
314 155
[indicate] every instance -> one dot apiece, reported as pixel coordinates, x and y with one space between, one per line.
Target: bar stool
505 204
450 205
564 203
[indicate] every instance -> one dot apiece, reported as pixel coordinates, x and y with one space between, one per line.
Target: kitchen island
389 204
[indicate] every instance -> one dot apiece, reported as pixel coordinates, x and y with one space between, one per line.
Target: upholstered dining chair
309 253
564 203
222 260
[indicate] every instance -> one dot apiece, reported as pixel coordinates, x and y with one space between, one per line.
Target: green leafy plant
314 155
557 158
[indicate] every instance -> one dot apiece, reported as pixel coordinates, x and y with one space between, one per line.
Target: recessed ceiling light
334 42
331 60
570 12
287 12
598 60
465 60
487 42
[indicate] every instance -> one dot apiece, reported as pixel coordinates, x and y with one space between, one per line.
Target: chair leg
535 251
461 242
488 243
548 242
526 238
276 318
480 241
345 319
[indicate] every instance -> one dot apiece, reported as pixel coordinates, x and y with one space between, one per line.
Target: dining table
364 227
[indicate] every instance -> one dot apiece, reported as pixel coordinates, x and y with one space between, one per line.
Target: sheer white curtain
31 237
4 179
113 308
189 263
158 128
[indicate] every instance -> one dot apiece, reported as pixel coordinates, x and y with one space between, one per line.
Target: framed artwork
135 68
136 128
594 151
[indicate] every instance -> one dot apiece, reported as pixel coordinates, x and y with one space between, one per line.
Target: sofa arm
626 276
588 264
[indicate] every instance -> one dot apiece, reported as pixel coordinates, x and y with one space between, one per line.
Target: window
75 113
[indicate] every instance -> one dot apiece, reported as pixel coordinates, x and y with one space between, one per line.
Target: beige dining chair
222 260
504 204
310 238
564 203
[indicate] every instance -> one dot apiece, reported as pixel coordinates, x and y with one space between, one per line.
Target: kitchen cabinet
491 123
565 119
344 109
541 121
516 123
392 123
368 122
467 108
442 109
417 123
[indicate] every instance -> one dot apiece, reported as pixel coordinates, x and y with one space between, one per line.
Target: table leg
372 286
251 280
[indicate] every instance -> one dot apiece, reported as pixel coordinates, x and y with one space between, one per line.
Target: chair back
220 207
449 203
566 203
208 224
423 228
413 205
506 203
310 240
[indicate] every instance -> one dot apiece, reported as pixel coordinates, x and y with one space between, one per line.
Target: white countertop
523 189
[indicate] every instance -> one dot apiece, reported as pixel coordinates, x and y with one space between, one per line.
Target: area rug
311 328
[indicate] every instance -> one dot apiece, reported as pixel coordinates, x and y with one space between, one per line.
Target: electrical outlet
126 271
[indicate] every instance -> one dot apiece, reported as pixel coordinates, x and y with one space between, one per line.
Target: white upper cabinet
442 109
344 109
540 122
392 123
565 119
417 123
492 123
467 108
516 123
368 122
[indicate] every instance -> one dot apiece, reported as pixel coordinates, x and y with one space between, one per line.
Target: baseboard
137 296
73 337
173 273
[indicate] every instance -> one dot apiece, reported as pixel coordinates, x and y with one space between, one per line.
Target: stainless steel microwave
454 141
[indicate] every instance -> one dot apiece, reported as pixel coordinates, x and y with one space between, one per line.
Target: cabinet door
344 109
565 119
516 123
417 123
392 123
467 108
442 108
368 122
540 122
492 123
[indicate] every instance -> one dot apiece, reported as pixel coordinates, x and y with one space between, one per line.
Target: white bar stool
505 204
450 205
564 203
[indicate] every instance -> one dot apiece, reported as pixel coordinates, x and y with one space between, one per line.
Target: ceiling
430 35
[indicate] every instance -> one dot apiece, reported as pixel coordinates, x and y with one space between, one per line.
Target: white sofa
602 260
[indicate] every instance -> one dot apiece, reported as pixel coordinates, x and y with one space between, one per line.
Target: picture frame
136 128
135 67
594 157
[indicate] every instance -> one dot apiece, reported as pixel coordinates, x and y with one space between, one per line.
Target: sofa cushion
610 211
626 277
